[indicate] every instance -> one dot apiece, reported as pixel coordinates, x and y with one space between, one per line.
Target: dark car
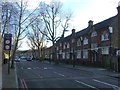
29 59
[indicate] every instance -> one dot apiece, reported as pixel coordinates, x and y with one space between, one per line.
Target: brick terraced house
95 45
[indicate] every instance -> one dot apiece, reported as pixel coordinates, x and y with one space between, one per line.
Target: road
34 74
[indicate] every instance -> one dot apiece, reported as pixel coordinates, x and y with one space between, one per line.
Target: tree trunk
13 55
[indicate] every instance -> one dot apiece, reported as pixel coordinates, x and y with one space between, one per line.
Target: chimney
73 31
90 23
118 8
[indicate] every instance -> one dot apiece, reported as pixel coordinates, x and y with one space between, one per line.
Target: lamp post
110 35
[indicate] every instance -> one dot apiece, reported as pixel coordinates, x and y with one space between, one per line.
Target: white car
17 59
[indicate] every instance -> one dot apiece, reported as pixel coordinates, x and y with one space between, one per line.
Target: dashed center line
59 74
86 84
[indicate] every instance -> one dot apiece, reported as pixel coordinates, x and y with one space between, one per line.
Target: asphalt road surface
34 74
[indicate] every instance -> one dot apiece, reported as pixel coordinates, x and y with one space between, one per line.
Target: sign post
7 47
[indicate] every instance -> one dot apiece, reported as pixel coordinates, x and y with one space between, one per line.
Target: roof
104 23
97 26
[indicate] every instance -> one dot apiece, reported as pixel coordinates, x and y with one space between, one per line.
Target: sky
83 11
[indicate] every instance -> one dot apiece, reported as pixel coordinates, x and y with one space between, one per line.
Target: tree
51 15
36 38
7 12
8 18
22 25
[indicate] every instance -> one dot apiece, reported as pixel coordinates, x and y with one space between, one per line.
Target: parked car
29 59
17 59
23 58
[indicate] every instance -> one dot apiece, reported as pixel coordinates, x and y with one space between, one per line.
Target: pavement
10 80
95 70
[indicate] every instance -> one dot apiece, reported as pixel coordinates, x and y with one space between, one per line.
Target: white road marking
28 68
101 69
107 83
86 84
59 74
45 68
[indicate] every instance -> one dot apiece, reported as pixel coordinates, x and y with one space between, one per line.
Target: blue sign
7 41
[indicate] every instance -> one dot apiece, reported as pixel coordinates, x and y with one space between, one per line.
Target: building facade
95 45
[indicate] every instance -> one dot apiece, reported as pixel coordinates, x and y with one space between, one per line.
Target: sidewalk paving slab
9 80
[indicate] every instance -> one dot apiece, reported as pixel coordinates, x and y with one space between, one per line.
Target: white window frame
68 45
63 55
57 48
93 34
85 54
85 41
94 45
57 56
105 50
67 55
73 40
78 42
78 54
64 46
105 36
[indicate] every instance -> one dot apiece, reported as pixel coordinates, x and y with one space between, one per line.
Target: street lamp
110 35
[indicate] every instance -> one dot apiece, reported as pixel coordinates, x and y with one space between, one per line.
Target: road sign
7 41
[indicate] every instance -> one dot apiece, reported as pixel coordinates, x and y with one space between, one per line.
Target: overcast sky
85 10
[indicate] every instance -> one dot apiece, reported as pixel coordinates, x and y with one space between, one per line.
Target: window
94 33
85 54
51 56
60 44
85 41
78 42
63 56
105 50
94 45
73 40
57 48
68 45
78 54
64 46
60 51
57 56
105 36
67 55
